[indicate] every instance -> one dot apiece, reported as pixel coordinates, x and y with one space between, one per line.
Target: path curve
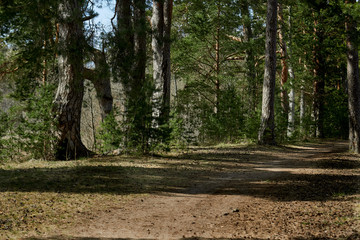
252 200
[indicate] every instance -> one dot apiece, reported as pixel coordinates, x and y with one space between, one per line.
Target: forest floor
305 191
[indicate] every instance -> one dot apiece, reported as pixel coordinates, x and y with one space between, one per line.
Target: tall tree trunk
302 107
168 9
161 27
284 65
70 92
353 82
267 127
139 42
157 22
249 58
138 95
319 83
302 102
291 113
45 68
124 44
124 56
217 60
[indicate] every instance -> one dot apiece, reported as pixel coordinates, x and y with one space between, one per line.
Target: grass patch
39 196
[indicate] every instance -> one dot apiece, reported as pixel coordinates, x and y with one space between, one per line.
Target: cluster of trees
188 71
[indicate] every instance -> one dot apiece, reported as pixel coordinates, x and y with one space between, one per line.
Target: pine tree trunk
284 65
302 107
124 58
291 113
157 22
168 8
140 43
302 104
353 83
161 28
217 61
267 127
124 44
319 84
138 95
70 92
249 59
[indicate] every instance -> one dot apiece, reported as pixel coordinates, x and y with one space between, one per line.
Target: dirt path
306 192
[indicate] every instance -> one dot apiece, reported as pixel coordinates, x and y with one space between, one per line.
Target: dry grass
39 196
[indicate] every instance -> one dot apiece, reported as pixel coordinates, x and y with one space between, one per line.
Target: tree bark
217 60
124 44
129 67
266 133
70 92
353 82
139 42
157 23
168 8
284 65
161 28
319 83
249 59
302 103
137 99
291 113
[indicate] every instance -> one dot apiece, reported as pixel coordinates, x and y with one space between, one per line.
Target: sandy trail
286 193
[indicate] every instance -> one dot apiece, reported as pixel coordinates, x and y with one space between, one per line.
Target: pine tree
129 53
353 82
267 127
161 29
70 92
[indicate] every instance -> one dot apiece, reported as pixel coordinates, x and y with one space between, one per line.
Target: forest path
294 192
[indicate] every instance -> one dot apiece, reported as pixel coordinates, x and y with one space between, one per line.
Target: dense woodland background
175 73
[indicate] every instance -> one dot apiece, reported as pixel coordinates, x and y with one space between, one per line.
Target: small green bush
28 127
110 134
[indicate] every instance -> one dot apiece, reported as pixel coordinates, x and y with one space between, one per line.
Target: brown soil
294 192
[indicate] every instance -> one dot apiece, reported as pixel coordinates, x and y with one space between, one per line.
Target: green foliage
178 137
226 125
251 124
210 58
185 121
206 46
29 127
195 120
39 124
28 27
130 131
281 122
137 123
336 111
110 134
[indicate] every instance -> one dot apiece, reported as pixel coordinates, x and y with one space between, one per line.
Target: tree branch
236 39
91 16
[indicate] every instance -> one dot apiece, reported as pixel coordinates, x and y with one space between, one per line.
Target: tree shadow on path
354 236
261 173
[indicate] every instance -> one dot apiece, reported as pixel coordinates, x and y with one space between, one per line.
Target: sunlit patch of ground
240 191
